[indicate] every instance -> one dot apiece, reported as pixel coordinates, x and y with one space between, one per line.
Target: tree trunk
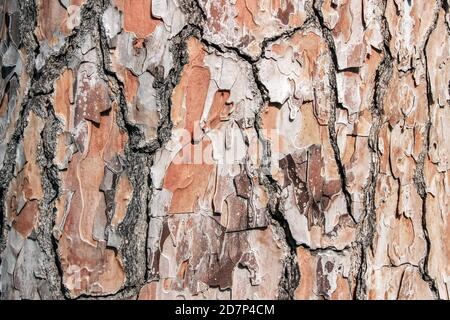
202 149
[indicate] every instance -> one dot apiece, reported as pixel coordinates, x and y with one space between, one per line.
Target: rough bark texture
278 149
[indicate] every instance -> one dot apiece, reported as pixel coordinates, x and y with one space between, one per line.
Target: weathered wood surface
247 149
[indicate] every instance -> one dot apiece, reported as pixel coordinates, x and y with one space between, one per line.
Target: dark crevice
332 121
50 182
418 178
326 249
366 229
133 227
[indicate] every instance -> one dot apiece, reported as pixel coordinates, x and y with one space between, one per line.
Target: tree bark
209 149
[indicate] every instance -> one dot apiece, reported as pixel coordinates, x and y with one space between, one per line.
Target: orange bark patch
63 94
344 27
51 16
190 94
123 197
131 84
32 187
25 221
343 291
4 105
310 129
188 181
137 17
88 266
245 11
148 292
270 117
215 14
117 138
92 98
219 109
306 265
77 2
25 190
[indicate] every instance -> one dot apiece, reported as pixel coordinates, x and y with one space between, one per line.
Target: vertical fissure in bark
50 182
419 176
334 103
366 230
137 158
290 278
37 101
359 250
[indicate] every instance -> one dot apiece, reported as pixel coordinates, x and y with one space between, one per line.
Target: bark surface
213 149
